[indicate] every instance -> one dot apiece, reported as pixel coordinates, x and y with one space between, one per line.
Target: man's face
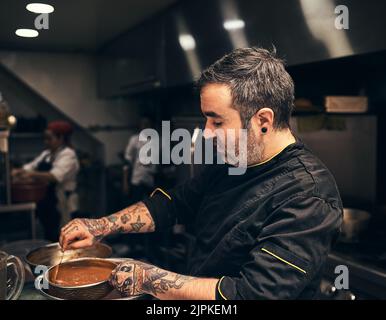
216 106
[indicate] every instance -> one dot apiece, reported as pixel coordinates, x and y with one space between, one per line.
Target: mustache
215 142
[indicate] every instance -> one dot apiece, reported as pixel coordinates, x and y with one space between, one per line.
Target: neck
274 143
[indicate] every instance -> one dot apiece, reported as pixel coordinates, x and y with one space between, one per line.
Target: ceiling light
187 42
234 24
27 33
39 8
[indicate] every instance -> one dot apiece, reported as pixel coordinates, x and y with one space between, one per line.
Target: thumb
80 244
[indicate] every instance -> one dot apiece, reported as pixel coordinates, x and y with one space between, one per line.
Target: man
57 166
264 234
142 176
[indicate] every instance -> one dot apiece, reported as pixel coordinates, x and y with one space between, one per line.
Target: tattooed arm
135 277
80 233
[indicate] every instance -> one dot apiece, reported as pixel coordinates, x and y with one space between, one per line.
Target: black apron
47 211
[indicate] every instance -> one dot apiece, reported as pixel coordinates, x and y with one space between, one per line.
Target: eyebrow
212 114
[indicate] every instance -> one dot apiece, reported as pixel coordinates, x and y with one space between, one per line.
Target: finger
113 274
124 282
72 228
69 225
63 236
69 237
80 244
112 280
118 279
61 240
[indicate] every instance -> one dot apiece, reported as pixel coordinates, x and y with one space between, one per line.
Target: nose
208 131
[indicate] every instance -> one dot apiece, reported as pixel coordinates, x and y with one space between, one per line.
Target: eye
217 124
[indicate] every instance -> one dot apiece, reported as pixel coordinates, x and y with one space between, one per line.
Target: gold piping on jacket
283 260
163 192
219 289
269 159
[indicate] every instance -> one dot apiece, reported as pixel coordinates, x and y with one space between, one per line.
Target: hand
134 277
17 172
27 175
21 174
82 233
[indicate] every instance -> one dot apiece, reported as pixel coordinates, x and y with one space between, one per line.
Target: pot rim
26 257
46 273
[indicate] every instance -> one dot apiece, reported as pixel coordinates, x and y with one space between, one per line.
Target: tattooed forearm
157 281
135 277
84 232
137 226
151 226
97 227
136 219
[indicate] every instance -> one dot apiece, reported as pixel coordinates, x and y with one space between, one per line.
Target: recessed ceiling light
39 8
187 42
27 33
234 24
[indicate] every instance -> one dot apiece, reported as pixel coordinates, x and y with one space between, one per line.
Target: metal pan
51 254
114 295
91 291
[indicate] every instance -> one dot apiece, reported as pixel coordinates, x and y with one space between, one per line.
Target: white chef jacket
142 174
65 168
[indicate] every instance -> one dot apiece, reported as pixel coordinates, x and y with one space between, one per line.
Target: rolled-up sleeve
289 252
65 166
30 166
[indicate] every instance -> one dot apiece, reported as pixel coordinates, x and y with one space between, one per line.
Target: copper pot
28 192
91 291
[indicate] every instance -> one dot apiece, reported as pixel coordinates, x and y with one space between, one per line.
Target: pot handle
16 286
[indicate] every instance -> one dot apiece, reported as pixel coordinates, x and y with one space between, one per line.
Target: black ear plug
264 130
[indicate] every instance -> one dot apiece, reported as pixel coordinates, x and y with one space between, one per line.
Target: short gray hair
257 79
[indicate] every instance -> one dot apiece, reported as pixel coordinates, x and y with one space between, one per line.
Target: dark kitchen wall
181 41
359 162
352 147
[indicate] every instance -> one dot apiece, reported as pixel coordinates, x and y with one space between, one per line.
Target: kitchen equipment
91 291
20 249
28 191
11 276
305 105
354 223
50 255
113 295
7 121
349 104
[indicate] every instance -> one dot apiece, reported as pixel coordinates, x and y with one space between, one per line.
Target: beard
255 149
243 151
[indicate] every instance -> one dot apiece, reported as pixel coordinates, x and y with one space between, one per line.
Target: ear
264 118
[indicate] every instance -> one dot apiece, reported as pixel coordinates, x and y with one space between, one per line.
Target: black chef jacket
265 234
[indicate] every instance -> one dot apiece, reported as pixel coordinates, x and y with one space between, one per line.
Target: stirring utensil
57 267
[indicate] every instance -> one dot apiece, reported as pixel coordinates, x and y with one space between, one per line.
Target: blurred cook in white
57 166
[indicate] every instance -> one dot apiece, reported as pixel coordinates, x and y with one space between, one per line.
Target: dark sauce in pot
78 275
